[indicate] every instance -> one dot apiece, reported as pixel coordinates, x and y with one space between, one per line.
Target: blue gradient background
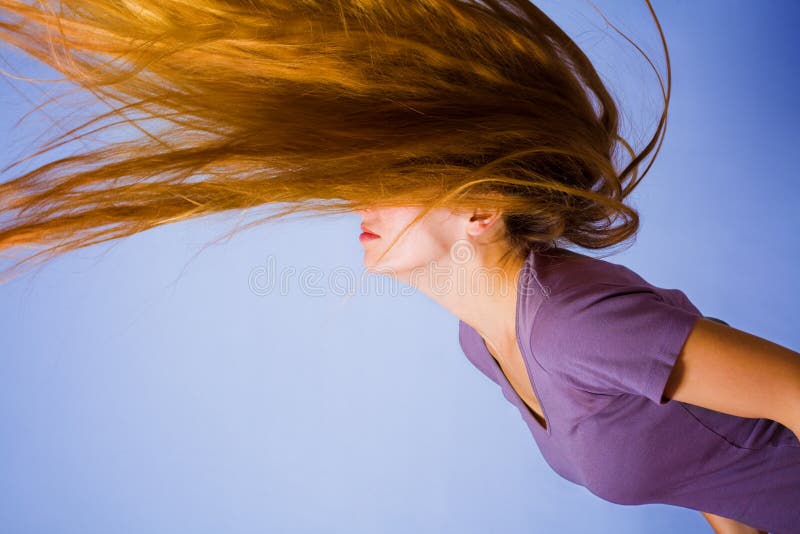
144 388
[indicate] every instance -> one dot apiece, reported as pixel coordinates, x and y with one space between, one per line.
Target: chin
371 266
369 261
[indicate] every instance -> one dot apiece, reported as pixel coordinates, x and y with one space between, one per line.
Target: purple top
599 343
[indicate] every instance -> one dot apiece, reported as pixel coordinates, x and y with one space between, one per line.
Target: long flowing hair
322 106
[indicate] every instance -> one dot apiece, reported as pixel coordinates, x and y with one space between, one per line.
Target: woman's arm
728 370
725 525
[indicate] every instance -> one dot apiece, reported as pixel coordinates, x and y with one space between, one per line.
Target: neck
482 293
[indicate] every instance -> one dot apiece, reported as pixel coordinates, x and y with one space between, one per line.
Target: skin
725 525
447 250
447 246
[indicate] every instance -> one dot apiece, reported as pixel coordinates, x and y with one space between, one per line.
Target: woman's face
429 240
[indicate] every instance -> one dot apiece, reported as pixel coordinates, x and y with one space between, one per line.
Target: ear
482 221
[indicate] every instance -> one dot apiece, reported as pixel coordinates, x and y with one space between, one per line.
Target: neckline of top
525 273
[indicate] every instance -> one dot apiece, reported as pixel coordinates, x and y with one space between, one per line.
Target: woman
627 389
474 136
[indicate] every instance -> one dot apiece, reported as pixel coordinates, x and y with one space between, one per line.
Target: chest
513 367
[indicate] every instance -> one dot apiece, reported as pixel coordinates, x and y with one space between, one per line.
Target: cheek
428 240
445 230
416 249
436 241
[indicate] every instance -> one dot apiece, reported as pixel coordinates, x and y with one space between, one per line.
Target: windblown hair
323 106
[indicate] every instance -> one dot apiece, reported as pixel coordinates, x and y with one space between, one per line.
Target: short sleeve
611 338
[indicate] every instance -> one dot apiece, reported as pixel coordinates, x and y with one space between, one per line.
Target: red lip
367 230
